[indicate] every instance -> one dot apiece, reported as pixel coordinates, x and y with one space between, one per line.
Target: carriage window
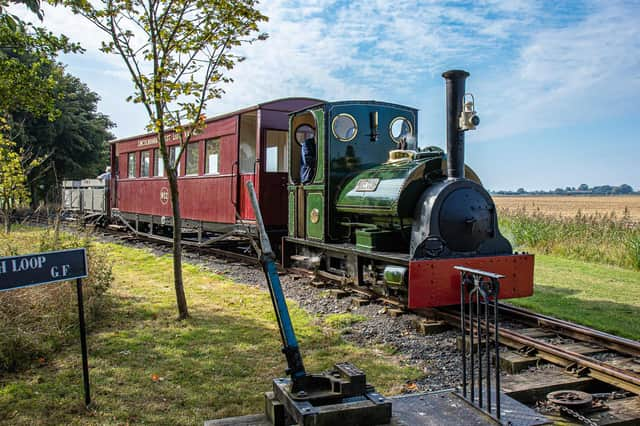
158 170
276 151
131 165
193 158
344 127
248 129
173 152
212 156
145 163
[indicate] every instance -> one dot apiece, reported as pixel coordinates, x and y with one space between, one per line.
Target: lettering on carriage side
164 195
154 140
146 142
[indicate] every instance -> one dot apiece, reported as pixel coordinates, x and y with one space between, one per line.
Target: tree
77 139
28 80
583 187
13 180
177 52
29 73
625 189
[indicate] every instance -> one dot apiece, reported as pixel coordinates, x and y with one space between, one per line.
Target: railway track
581 350
577 359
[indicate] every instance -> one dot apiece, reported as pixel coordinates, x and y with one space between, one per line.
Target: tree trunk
6 215
181 299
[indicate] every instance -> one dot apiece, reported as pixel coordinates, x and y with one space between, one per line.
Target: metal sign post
51 267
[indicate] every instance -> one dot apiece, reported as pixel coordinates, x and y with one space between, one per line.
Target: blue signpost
51 267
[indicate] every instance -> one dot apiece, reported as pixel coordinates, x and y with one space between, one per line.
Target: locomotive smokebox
455 81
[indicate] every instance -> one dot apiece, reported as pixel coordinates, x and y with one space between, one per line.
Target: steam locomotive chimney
455 136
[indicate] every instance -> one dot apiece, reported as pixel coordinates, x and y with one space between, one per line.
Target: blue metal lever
288 335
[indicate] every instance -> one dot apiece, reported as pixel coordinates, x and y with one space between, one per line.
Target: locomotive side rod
290 348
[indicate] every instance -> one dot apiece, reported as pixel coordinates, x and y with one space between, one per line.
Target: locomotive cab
348 138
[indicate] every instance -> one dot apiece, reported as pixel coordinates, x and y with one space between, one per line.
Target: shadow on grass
617 318
147 367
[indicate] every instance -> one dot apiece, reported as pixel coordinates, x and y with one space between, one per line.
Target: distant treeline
583 189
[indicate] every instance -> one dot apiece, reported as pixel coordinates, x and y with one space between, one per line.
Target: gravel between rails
435 355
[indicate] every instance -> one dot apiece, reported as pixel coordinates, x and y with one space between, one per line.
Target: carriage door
274 177
247 162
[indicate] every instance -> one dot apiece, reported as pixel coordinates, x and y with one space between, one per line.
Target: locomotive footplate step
428 409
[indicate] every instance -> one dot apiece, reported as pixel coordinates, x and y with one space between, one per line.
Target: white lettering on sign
60 271
27 263
3 267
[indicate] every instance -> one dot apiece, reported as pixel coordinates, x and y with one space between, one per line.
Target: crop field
587 256
618 207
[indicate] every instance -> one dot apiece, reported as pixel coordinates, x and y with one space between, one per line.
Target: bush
38 321
594 238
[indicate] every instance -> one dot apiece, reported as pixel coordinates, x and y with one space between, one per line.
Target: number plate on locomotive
367 185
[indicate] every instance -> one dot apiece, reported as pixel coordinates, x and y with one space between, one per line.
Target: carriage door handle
234 182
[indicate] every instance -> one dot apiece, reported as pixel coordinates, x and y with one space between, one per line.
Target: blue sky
557 84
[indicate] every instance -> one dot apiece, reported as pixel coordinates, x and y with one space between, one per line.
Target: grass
586 267
594 238
342 321
37 321
148 368
603 297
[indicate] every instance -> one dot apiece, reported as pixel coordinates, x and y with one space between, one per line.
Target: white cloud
536 70
588 70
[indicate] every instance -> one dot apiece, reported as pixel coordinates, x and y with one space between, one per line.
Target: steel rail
576 331
596 369
190 246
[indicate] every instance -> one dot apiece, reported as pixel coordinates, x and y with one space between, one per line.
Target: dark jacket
308 161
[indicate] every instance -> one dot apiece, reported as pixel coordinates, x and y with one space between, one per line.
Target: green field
603 297
148 368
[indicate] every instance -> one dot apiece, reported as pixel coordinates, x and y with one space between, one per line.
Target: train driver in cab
308 159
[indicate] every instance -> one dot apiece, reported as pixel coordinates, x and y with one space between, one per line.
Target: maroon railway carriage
250 144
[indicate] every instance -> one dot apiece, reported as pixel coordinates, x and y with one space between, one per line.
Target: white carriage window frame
398 118
212 156
145 163
131 165
192 151
355 127
158 167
